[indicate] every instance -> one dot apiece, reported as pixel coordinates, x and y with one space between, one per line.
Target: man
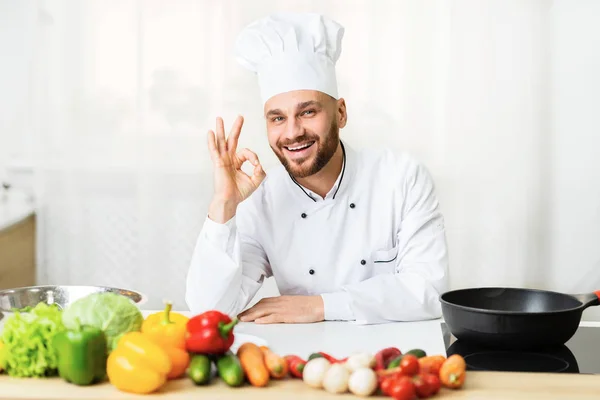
348 235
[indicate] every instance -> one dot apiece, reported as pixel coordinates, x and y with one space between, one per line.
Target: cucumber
417 353
230 369
395 362
200 369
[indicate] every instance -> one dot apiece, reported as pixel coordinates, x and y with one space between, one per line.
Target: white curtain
480 91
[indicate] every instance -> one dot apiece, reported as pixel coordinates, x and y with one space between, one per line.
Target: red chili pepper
383 357
210 333
332 359
295 365
328 357
383 373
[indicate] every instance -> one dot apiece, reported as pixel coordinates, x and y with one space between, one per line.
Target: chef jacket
374 248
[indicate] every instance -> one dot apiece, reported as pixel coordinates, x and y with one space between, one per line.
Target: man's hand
285 309
232 185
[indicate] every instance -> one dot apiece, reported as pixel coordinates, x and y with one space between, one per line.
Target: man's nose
292 130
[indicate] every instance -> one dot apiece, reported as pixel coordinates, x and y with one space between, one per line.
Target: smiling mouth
299 147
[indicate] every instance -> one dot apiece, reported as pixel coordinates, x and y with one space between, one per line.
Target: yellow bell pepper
166 328
138 365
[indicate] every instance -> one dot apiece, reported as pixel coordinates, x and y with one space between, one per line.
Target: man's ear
342 115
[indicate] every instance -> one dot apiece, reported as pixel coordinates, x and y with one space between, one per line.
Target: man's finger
234 135
253 313
258 175
212 146
269 319
221 142
247 155
252 309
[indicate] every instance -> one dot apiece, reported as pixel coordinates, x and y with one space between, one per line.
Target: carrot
252 360
431 364
453 372
276 365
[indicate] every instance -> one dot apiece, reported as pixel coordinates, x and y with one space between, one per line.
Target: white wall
575 167
17 20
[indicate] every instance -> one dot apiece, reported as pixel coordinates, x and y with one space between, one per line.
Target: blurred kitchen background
104 108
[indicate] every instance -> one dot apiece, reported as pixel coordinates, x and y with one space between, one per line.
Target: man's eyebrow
274 112
299 106
310 103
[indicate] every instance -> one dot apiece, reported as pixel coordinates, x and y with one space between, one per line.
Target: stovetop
581 354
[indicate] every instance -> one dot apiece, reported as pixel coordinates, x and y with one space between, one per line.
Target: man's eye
277 119
308 111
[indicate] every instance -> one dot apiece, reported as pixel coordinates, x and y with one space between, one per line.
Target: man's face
303 129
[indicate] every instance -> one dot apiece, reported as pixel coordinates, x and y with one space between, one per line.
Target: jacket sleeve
421 267
228 267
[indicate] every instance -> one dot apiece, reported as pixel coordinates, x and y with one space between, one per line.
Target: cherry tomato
403 389
434 383
410 365
389 373
386 385
422 388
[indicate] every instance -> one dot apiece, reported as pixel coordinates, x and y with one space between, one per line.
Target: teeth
300 147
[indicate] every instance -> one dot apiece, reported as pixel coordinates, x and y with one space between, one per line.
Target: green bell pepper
82 355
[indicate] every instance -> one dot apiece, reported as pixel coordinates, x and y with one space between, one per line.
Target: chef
348 235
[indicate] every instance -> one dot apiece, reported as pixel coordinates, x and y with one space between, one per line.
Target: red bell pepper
210 333
383 357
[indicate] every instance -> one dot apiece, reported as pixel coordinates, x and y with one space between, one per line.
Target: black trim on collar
341 177
309 196
343 169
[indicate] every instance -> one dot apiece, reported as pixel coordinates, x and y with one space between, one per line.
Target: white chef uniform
373 248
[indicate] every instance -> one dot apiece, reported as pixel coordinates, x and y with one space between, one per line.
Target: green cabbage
114 314
27 337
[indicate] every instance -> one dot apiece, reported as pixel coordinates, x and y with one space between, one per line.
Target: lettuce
27 337
113 313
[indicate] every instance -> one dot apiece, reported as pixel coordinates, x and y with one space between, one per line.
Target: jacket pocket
384 261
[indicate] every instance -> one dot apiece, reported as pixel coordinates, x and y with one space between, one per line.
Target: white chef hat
291 51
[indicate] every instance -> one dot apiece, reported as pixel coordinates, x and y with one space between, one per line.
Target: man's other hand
285 309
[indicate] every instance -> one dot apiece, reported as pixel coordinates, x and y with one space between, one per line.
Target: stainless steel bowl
62 296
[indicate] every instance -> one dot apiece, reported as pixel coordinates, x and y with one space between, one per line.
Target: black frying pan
513 318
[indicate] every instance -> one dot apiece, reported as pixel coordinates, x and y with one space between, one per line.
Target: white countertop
14 208
341 339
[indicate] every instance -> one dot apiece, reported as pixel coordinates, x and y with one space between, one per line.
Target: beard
325 151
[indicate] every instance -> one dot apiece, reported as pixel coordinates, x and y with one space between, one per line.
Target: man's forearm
221 211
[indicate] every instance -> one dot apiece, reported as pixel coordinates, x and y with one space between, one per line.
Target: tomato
426 385
453 372
422 388
403 389
386 385
410 365
394 372
434 382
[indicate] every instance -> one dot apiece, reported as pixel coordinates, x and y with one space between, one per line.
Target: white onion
360 360
314 372
363 382
336 379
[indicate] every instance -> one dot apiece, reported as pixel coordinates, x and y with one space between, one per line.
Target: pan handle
589 299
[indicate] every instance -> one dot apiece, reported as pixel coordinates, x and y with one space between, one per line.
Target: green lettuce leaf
27 338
